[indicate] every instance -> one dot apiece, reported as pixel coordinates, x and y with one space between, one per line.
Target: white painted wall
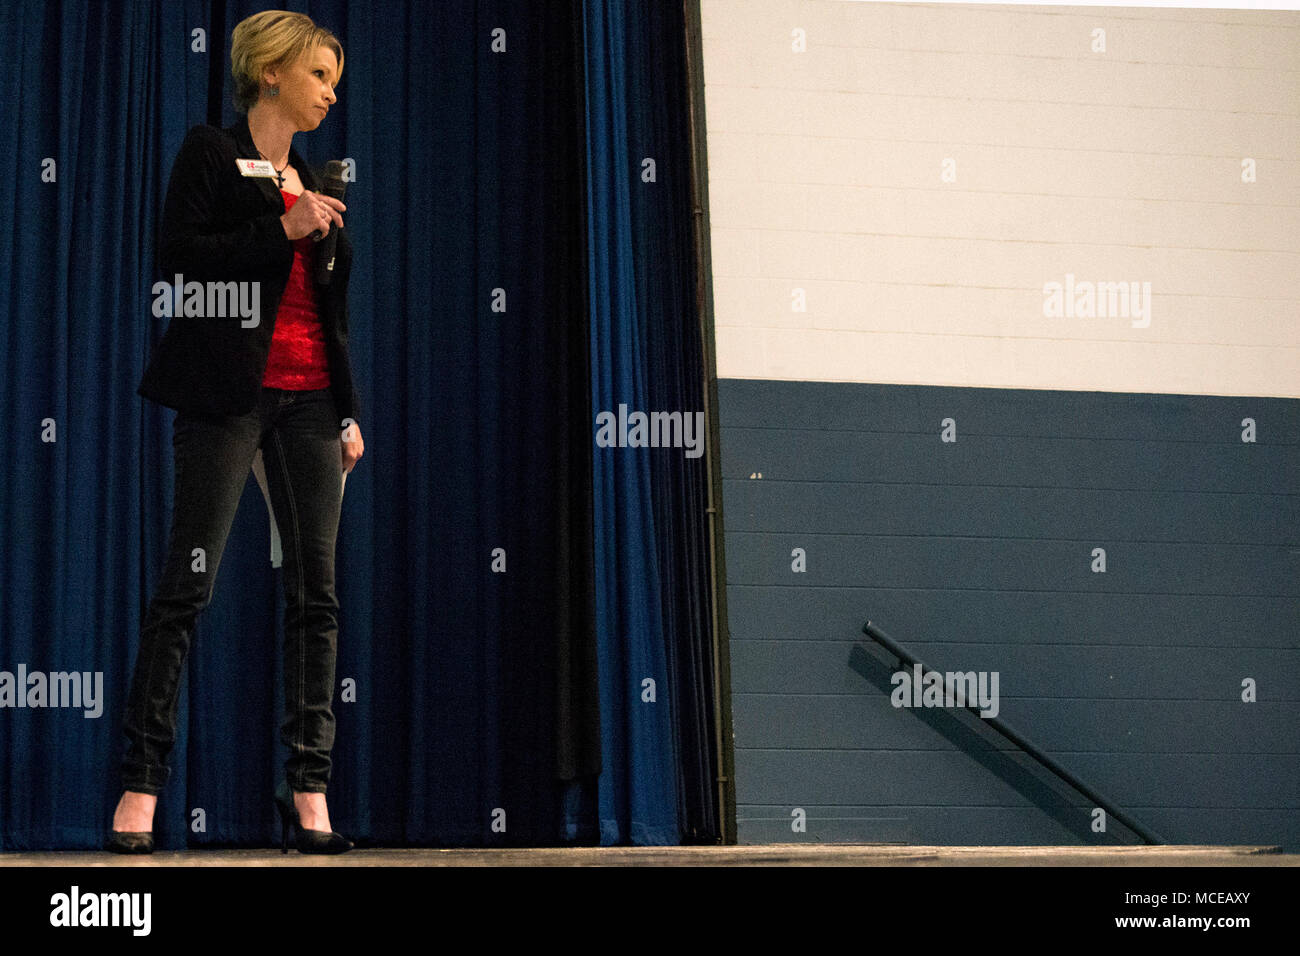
825 175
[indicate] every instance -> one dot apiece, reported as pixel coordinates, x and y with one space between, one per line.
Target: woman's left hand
353 446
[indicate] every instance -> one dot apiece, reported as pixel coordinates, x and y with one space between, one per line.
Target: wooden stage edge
767 855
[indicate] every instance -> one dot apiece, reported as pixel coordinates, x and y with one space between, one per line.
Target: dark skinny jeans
300 437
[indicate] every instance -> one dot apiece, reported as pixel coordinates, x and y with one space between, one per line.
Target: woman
241 208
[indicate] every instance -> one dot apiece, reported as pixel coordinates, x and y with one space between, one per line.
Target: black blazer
218 225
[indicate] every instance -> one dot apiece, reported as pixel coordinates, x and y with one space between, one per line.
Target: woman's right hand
312 211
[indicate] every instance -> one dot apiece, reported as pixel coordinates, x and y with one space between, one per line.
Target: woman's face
307 88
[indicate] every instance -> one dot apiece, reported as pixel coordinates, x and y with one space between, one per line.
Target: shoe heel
286 815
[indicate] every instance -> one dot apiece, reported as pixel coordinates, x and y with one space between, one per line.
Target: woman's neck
271 133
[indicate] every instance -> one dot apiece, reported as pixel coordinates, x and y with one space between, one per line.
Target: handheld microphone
334 187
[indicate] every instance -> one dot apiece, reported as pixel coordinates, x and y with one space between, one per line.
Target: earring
273 91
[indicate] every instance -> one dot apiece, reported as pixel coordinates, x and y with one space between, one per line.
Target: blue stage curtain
492 708
96 103
652 596
664 223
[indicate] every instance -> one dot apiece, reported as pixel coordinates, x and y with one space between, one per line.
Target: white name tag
256 167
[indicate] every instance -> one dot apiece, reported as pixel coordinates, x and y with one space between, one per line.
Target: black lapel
245 149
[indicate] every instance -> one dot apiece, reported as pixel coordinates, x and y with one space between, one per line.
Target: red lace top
297 360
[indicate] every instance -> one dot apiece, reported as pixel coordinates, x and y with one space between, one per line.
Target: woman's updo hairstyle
273 39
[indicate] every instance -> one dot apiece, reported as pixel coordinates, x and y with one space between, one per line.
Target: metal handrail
906 657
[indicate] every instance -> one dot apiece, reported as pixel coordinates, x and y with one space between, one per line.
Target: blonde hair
273 39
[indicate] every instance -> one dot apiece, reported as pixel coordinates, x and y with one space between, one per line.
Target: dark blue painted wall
977 555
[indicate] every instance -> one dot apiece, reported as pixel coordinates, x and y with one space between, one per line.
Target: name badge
256 167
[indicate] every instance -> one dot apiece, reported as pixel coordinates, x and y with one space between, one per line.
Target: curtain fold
93 93
652 602
663 227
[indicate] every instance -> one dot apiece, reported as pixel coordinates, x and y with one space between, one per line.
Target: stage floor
768 855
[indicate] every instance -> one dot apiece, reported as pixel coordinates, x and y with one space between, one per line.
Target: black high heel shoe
308 841
129 841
